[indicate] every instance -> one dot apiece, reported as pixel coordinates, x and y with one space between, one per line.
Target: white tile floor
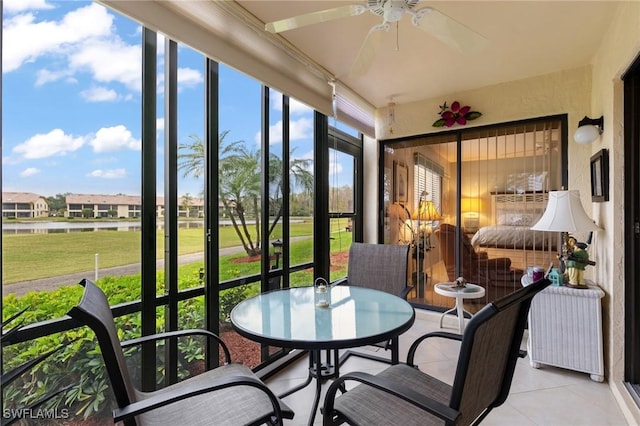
546 397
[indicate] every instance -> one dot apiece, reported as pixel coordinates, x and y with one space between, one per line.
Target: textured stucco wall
370 190
593 91
566 92
618 49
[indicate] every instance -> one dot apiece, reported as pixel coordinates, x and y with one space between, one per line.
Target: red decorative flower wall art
455 114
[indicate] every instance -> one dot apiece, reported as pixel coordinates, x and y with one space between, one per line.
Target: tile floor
545 397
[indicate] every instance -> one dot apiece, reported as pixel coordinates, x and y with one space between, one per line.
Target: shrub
80 362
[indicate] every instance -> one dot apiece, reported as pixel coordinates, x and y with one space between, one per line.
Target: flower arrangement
455 114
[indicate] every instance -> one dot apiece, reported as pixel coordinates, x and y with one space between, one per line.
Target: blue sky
71 102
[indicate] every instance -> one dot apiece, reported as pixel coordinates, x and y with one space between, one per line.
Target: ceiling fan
439 25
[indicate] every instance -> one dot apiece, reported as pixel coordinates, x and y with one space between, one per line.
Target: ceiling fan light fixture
394 10
444 28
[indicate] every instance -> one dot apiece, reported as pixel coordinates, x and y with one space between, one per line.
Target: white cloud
30 171
14 6
295 107
275 134
99 94
189 77
56 142
25 40
115 138
298 130
160 124
335 168
45 76
301 129
109 61
108 174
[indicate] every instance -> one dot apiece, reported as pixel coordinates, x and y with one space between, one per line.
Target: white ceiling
525 39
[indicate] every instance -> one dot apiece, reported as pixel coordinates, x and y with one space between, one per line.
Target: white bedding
514 237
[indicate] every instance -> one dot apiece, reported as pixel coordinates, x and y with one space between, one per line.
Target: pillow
536 182
523 182
517 218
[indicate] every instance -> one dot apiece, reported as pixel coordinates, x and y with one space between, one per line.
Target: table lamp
565 214
425 214
470 208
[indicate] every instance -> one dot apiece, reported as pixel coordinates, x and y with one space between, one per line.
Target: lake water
66 227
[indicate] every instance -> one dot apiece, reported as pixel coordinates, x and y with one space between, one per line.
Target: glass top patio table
289 318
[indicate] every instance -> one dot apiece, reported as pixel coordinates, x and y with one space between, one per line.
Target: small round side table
470 291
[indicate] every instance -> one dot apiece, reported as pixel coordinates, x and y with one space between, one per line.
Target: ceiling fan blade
314 18
368 50
448 30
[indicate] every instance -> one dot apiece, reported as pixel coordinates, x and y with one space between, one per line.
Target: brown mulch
247 259
338 260
243 350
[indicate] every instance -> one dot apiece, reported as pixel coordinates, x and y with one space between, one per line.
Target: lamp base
419 280
581 286
471 225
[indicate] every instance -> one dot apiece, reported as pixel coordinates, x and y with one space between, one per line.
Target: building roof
21 197
121 199
102 199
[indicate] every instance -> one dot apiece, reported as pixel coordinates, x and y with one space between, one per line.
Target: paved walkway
45 284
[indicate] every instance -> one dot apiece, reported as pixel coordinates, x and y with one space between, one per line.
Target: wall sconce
391 115
589 129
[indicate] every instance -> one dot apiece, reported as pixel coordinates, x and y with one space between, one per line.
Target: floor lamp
425 214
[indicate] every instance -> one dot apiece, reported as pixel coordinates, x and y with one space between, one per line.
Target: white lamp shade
586 134
564 213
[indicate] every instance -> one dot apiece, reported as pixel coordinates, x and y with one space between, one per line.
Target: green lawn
33 256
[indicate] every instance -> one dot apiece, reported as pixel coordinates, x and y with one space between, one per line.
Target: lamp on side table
565 214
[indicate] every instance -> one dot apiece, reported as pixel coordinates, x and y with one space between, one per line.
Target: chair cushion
238 405
371 406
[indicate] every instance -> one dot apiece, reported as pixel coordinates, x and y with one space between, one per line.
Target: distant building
128 206
24 204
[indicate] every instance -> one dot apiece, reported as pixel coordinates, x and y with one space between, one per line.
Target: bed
510 235
514 237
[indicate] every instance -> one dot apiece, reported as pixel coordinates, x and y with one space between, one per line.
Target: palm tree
187 200
239 175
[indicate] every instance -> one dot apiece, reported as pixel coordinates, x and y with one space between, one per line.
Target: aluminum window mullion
171 204
211 216
148 197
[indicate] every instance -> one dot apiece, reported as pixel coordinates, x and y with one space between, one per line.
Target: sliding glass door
464 201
